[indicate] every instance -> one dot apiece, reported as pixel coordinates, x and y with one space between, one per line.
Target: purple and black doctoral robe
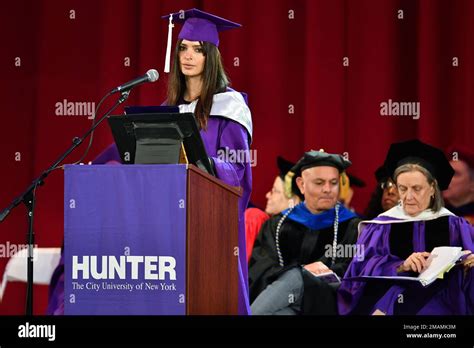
388 241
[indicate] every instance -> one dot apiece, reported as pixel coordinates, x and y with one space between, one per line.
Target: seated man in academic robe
298 245
399 242
277 201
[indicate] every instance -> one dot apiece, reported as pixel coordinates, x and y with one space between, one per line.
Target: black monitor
157 138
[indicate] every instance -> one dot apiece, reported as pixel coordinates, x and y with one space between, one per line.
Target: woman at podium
198 84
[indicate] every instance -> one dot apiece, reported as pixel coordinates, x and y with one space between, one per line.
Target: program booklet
440 261
328 277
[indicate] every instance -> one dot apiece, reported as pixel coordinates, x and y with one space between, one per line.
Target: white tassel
168 46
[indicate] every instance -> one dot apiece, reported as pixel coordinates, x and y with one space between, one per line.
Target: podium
149 240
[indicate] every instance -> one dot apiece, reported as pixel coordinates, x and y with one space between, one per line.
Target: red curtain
316 73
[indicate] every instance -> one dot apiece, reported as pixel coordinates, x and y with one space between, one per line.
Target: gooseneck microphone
150 76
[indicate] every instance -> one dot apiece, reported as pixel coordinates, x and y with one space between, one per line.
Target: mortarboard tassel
344 186
288 184
168 46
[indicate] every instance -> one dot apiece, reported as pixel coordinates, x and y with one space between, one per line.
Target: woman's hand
416 262
317 267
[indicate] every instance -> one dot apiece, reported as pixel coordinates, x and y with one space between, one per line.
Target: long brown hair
214 78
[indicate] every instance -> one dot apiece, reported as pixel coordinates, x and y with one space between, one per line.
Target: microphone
150 76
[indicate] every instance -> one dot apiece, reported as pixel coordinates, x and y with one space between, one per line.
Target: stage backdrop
319 74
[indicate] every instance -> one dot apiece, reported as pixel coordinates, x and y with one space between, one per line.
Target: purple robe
453 295
56 290
221 136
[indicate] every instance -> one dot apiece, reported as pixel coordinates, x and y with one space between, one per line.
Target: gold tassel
287 184
344 185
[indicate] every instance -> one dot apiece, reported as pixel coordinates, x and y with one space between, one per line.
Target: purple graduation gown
221 134
453 295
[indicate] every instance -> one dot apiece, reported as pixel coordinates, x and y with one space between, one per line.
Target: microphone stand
28 198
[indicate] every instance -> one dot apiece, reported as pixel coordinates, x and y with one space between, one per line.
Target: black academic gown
466 211
300 245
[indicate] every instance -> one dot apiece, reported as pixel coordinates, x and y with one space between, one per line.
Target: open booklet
440 261
328 277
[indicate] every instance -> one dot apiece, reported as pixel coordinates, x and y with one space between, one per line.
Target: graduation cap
198 26
355 181
315 159
320 158
427 156
381 174
284 166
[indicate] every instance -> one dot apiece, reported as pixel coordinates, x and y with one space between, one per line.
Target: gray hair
437 201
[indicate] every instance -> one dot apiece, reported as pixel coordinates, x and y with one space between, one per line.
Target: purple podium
149 240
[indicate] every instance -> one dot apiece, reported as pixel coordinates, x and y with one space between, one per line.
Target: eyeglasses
389 184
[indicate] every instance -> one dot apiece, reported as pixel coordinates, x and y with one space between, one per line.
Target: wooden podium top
237 190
